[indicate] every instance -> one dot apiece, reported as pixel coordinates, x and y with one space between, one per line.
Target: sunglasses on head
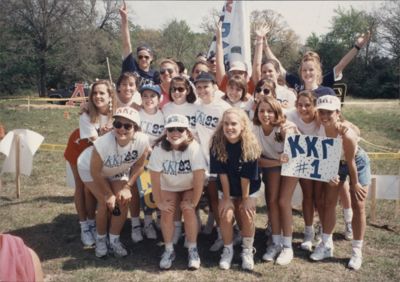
143 57
179 89
118 125
266 91
179 129
170 71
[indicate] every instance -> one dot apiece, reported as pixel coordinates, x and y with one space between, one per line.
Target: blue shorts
363 168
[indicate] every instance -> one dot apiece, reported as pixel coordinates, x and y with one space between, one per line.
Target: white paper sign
312 157
29 143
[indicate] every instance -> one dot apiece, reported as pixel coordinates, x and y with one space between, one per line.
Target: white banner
312 157
235 34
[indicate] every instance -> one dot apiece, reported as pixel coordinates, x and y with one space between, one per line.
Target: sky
304 17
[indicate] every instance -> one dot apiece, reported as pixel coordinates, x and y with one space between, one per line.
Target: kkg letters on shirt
312 157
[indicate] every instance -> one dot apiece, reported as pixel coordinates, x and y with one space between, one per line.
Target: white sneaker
348 231
321 252
136 234
150 231
166 259
307 242
101 247
272 252
118 249
194 259
218 244
356 259
248 258
87 238
177 234
226 258
285 257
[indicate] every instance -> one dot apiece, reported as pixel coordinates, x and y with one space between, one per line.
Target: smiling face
305 108
328 118
198 69
205 91
127 88
310 74
150 101
179 92
268 72
100 97
266 114
144 59
175 137
123 134
232 127
167 72
234 93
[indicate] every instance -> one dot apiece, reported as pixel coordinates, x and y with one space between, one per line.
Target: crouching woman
177 169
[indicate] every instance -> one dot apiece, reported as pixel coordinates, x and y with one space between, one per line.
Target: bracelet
357 47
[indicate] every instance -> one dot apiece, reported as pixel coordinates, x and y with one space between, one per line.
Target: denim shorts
362 165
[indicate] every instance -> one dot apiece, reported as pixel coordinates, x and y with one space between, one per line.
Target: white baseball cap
128 113
328 102
176 120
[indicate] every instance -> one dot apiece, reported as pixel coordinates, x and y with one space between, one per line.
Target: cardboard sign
312 157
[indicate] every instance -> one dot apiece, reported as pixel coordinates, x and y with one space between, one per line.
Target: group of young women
222 135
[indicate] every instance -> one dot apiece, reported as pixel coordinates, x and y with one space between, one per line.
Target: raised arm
126 38
260 31
219 54
360 43
270 55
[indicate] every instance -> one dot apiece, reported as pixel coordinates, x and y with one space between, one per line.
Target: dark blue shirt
235 168
294 81
145 77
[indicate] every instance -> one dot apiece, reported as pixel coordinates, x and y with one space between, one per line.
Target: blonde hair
311 56
250 148
92 110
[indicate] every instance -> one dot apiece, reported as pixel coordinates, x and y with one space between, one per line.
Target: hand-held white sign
312 157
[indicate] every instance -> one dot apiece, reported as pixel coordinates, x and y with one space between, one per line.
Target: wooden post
373 199
17 164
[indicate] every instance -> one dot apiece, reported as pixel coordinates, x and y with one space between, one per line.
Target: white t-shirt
186 109
270 148
152 125
304 128
117 160
88 129
247 106
208 117
177 167
136 98
285 97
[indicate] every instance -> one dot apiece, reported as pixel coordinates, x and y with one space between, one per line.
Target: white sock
276 239
357 244
101 236
148 219
113 238
230 247
348 215
84 225
192 246
169 246
308 229
135 221
287 241
247 242
327 239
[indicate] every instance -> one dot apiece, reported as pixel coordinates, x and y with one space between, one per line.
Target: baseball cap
128 113
151 87
328 102
204 76
238 65
176 120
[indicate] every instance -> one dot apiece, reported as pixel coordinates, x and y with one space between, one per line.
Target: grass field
45 217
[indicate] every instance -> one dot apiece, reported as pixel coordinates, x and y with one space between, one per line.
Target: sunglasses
179 89
179 129
170 71
266 91
143 57
118 125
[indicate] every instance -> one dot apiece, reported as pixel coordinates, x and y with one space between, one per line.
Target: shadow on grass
50 199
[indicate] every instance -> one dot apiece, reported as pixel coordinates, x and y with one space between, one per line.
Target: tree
389 31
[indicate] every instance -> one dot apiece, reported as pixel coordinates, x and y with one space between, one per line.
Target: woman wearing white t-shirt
109 169
177 168
127 92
